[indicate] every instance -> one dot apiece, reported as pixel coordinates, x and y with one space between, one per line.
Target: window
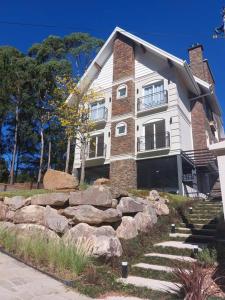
121 129
98 111
122 91
96 146
153 94
155 135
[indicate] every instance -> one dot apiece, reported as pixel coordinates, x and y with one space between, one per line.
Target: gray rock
102 240
52 199
91 215
129 205
150 210
143 222
57 180
154 195
7 225
97 195
16 202
54 221
3 211
35 230
161 208
114 203
127 229
118 193
30 214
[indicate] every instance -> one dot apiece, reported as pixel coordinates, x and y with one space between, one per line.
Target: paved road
20 282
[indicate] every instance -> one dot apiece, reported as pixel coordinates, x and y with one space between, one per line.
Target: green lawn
25 193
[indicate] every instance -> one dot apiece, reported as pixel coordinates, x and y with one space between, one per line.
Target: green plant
41 250
84 186
207 257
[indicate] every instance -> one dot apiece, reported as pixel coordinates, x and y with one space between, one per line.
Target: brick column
123 172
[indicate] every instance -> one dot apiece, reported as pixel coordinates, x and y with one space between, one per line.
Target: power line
71 27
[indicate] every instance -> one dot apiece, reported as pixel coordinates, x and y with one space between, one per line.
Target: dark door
100 147
149 136
160 134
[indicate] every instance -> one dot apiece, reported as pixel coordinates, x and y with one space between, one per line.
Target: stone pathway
197 232
20 282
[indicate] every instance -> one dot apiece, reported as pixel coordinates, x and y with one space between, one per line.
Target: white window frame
117 129
122 86
99 104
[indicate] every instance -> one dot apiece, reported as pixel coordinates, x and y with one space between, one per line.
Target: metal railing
99 114
152 101
98 152
153 142
188 177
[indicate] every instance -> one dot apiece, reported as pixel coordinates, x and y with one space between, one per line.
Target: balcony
98 152
153 142
99 114
152 101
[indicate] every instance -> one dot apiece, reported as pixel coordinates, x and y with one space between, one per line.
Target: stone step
196 231
153 267
152 284
202 220
199 225
192 236
172 257
181 245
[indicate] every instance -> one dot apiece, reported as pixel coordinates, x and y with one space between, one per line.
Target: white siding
105 77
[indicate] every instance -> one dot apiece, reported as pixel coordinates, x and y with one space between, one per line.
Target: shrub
207 257
54 254
196 283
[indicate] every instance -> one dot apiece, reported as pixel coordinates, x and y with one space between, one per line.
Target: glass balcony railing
152 101
99 114
153 142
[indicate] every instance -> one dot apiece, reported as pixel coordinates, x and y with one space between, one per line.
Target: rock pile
100 214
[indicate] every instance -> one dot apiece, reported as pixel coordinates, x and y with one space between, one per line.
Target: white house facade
155 118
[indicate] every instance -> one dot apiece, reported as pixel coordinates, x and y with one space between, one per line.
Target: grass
24 193
51 255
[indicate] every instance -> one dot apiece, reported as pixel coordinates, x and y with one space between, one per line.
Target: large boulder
102 240
54 221
57 180
129 205
35 230
52 199
16 202
3 211
161 208
127 229
118 192
7 225
102 181
91 215
151 212
154 195
30 214
97 195
143 222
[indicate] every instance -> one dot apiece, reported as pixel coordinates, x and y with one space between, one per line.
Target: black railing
152 101
188 177
98 152
99 114
153 142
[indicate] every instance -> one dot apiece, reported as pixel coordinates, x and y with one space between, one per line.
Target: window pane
121 129
160 133
92 147
100 148
122 92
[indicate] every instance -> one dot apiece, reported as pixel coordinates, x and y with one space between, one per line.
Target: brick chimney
199 65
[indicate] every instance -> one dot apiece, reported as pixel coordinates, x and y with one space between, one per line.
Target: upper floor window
98 110
121 129
122 91
153 96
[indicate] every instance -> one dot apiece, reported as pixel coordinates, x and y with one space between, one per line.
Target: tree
76 117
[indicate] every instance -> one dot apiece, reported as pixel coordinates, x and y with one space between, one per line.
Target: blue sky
172 25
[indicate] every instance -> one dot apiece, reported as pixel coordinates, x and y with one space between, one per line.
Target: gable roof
195 84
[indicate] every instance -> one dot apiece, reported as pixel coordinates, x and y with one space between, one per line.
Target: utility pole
219 32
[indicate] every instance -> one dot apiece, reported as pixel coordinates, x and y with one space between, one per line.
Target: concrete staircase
155 270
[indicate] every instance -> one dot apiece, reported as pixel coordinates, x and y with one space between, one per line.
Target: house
155 118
